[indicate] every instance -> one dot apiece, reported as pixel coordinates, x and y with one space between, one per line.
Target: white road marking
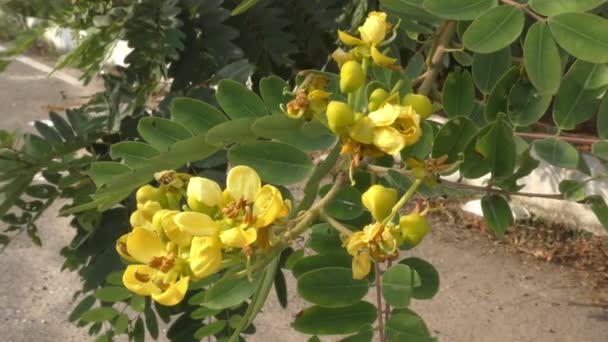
58 74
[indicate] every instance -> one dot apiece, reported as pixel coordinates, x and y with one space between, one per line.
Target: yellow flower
394 128
421 104
147 281
341 56
238 237
144 245
142 217
164 222
196 224
269 206
379 200
243 183
149 193
121 248
374 29
308 103
205 256
339 116
357 248
203 194
380 58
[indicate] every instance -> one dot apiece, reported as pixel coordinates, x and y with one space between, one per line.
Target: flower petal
197 224
348 39
374 29
205 191
243 183
363 130
238 237
361 265
138 279
173 231
385 116
382 59
144 245
174 294
205 256
379 200
388 140
267 206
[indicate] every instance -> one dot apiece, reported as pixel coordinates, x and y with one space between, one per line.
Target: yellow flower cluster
311 98
380 240
372 35
168 247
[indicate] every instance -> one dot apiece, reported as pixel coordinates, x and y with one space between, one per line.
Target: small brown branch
379 303
576 140
444 37
335 223
387 306
524 8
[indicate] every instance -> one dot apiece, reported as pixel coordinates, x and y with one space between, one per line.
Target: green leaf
582 35
579 94
572 190
428 276
293 258
494 29
204 312
197 299
498 99
121 324
229 291
346 205
114 278
35 147
555 7
324 239
85 304
104 172
497 213
366 334
315 262
100 314
602 119
62 126
161 133
280 288
276 163
238 101
112 294
525 105
600 149
458 9
133 153
397 285
233 131
453 137
309 136
542 60
557 152
406 325
462 58
599 208
209 329
48 133
335 321
331 287
138 303
458 93
271 90
243 6
151 321
197 116
489 68
498 148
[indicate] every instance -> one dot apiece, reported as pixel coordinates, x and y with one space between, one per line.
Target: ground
487 292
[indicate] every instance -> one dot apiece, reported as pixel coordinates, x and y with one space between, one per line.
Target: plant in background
208 258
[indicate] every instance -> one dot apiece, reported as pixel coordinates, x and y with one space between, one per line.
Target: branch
382 169
379 303
576 140
335 223
524 8
444 38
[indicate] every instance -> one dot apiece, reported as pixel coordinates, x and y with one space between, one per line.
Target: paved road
486 295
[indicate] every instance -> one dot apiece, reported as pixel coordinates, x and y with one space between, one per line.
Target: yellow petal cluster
183 230
311 98
379 241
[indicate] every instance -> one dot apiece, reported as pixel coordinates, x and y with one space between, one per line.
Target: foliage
512 80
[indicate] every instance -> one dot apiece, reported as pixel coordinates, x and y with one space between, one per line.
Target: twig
445 35
524 8
335 223
379 303
387 306
576 140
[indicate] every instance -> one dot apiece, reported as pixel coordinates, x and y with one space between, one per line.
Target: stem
576 140
379 303
335 223
524 8
443 40
382 169
408 194
387 306
358 94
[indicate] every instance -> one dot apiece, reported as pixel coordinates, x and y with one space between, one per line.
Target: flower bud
414 228
376 98
421 104
149 193
339 116
379 200
351 77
